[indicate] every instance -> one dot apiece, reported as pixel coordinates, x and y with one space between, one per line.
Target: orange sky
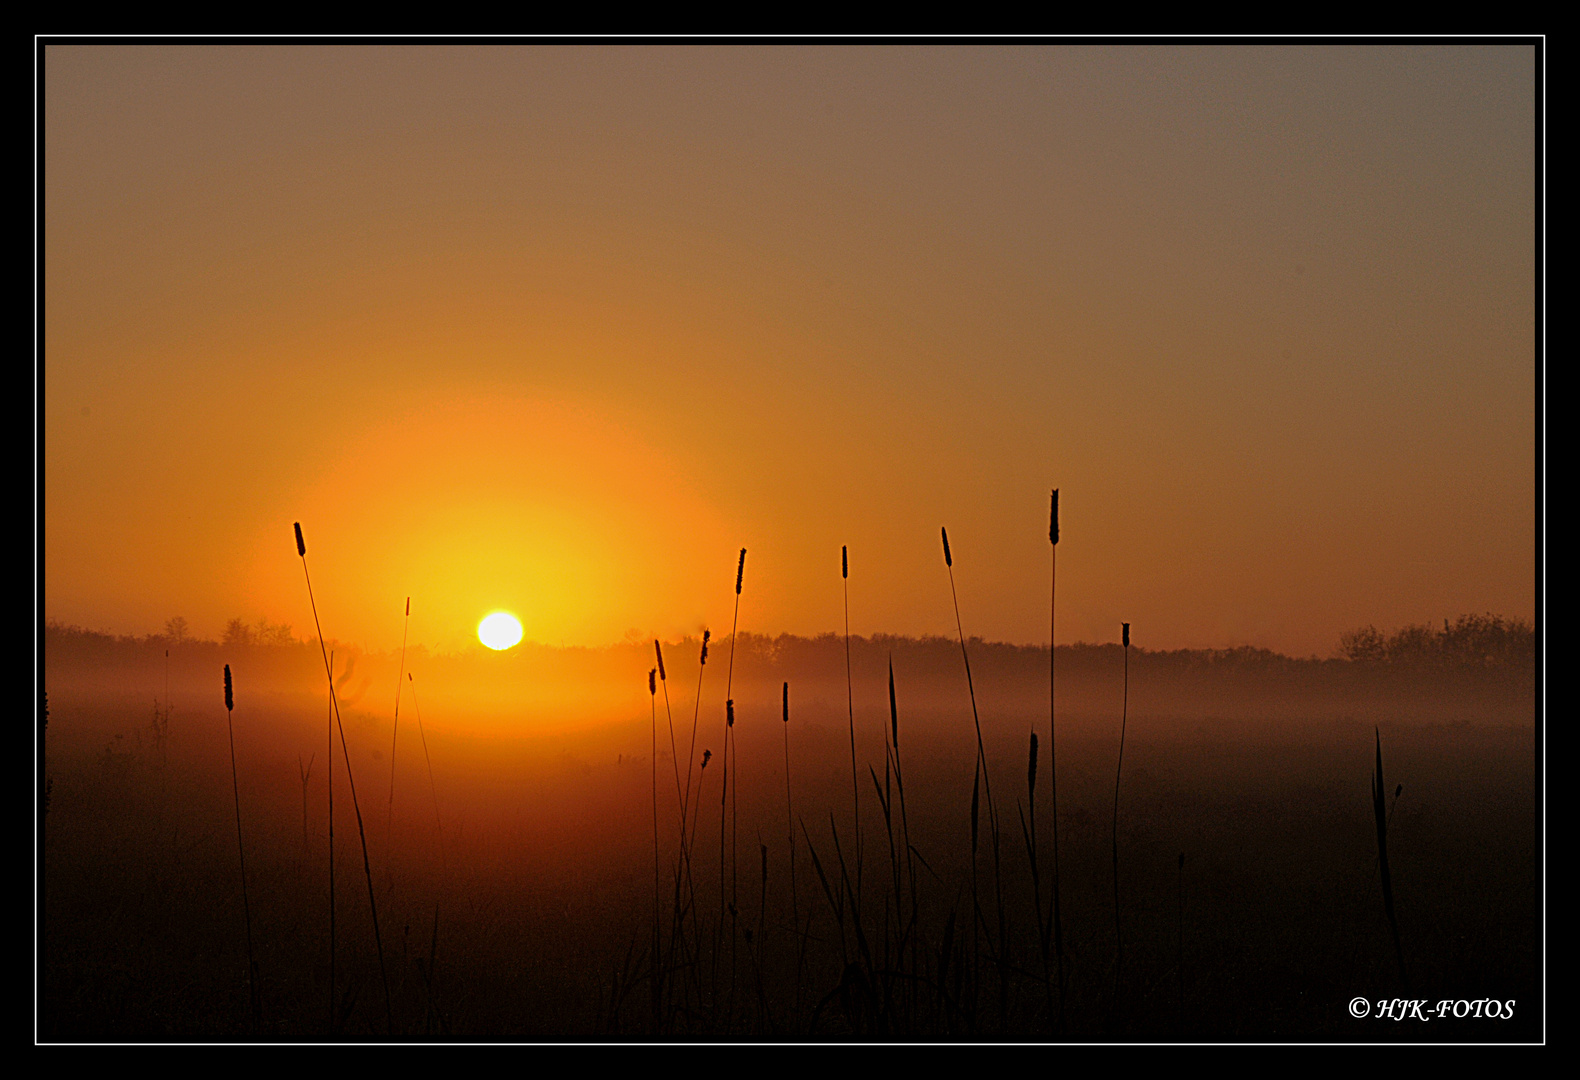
558 330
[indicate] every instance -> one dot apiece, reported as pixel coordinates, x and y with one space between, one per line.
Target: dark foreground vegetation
515 882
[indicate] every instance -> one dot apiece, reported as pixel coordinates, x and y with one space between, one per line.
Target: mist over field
533 838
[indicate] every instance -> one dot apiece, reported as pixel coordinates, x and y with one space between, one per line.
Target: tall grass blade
241 852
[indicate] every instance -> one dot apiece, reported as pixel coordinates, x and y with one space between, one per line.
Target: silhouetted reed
657 979
1119 947
795 911
241 852
1053 736
986 782
729 761
367 866
1030 834
850 705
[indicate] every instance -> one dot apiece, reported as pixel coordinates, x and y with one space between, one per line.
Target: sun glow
500 630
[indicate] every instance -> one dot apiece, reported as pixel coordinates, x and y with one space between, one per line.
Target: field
516 892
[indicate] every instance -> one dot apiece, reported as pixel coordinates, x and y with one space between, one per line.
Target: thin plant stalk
850 707
400 684
1053 753
725 791
677 936
241 852
696 713
1036 877
986 780
652 693
702 664
1119 946
905 822
795 913
367 867
330 668
438 827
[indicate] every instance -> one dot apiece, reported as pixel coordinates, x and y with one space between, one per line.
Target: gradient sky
559 330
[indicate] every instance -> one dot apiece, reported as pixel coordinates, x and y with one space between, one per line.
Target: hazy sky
559 330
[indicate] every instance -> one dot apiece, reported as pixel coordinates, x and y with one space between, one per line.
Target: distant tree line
1474 641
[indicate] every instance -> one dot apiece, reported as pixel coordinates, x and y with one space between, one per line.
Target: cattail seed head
652 680
705 635
729 713
844 561
948 559
764 848
1124 634
740 572
787 703
408 605
301 545
1398 791
1182 860
706 754
230 700
660 654
1031 767
1053 519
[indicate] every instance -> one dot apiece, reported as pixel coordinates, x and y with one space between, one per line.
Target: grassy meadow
515 883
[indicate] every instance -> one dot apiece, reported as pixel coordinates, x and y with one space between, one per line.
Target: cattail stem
367 868
850 706
241 853
795 911
726 793
905 827
1124 715
334 1022
986 779
657 981
1053 753
677 935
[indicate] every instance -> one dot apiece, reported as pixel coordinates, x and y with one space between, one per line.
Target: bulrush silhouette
850 707
727 794
367 866
241 852
985 781
1118 770
657 980
1053 736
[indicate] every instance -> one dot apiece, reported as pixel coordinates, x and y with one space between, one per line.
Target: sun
499 630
